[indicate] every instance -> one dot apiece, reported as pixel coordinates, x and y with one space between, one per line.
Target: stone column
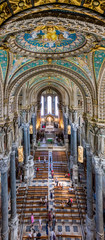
99 200
66 131
71 148
4 197
25 147
90 224
75 166
14 219
33 120
28 139
25 144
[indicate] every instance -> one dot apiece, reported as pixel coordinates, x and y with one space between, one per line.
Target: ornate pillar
28 139
99 200
14 220
4 197
75 166
90 224
33 120
66 130
71 148
25 147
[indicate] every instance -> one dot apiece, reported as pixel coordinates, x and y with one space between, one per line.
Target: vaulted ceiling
53 42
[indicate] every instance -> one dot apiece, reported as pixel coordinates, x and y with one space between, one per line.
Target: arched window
42 105
56 105
49 105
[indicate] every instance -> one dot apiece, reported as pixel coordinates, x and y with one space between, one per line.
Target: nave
70 220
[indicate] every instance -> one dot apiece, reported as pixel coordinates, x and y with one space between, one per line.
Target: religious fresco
99 58
50 39
3 63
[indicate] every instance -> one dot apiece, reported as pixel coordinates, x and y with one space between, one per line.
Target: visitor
38 235
47 228
34 235
53 236
37 169
49 216
32 218
39 159
40 223
44 159
52 173
53 222
51 195
56 181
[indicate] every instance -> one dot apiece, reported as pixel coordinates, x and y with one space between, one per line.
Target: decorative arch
83 85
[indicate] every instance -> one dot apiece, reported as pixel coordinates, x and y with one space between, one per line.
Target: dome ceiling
50 40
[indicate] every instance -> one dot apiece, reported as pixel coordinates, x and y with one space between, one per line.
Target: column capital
4 164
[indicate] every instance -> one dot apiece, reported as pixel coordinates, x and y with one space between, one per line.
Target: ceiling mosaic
99 58
17 62
58 78
62 63
83 62
50 39
3 63
12 7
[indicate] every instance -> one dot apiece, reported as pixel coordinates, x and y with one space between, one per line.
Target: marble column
25 144
75 165
4 197
99 200
71 148
66 131
28 139
33 120
14 219
25 148
90 224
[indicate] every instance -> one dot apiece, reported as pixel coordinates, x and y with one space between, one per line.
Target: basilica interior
52 119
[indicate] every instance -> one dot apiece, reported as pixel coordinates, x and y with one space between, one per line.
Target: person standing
32 218
40 223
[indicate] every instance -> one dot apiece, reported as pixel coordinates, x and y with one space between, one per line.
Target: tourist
53 236
34 235
70 189
37 169
32 218
51 195
44 159
67 175
52 173
53 222
40 223
39 159
47 228
38 235
56 181
49 216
